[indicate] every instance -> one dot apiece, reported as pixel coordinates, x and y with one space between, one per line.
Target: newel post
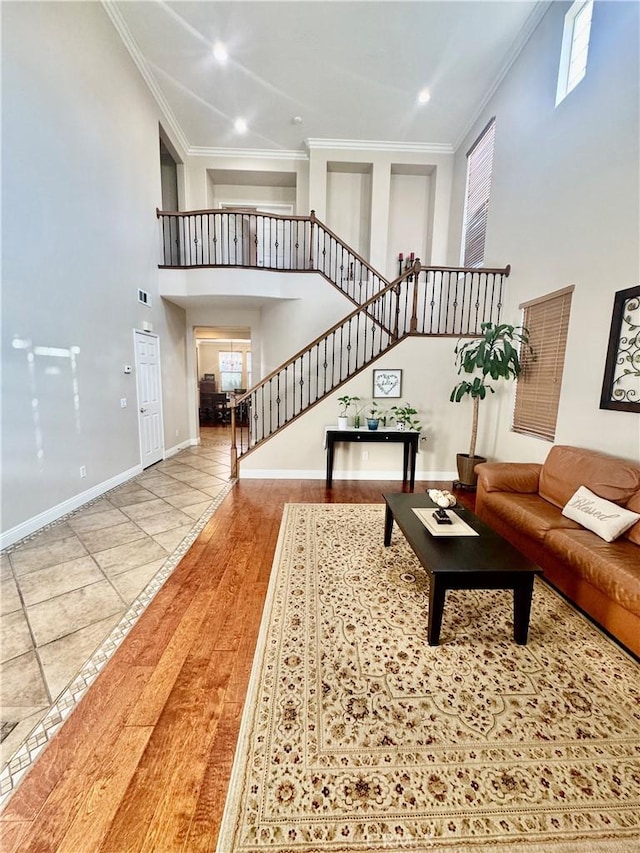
234 447
413 326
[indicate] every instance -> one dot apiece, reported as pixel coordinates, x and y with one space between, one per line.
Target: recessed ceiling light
296 120
240 125
424 96
220 52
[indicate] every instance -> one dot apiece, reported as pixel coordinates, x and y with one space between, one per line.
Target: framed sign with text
387 383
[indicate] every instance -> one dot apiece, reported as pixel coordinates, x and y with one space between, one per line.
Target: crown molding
247 153
528 28
377 145
136 54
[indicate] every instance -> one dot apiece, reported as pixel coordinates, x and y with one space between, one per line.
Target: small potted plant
404 417
374 418
357 415
345 402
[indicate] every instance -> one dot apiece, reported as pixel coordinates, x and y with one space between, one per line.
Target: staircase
423 301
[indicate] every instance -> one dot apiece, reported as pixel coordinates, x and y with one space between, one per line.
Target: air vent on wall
144 297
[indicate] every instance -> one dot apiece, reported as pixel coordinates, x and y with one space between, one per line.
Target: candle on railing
412 257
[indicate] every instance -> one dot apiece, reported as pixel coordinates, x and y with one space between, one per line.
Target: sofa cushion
606 519
509 476
611 567
633 533
566 468
528 513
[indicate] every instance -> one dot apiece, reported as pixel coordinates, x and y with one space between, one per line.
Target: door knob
143 410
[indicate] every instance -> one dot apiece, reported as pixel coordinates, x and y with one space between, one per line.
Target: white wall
327 196
81 181
288 326
200 189
428 375
564 210
349 208
409 219
250 196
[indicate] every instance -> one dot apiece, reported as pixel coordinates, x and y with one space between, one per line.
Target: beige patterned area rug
358 736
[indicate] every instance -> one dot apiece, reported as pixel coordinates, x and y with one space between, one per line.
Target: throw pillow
606 519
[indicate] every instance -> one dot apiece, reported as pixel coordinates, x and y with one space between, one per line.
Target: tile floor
70 593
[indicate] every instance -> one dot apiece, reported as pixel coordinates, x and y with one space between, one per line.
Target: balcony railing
242 238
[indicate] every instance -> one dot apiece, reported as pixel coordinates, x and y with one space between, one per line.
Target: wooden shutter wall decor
539 384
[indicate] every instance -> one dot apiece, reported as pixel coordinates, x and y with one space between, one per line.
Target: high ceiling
350 70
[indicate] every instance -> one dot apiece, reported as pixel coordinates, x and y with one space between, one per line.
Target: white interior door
147 348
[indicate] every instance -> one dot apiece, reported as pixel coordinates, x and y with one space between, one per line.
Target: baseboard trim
315 474
177 448
37 522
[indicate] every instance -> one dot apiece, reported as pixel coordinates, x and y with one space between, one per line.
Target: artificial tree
494 356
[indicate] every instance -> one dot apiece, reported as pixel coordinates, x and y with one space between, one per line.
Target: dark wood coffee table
486 561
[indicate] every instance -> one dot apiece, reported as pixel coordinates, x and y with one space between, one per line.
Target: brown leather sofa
524 502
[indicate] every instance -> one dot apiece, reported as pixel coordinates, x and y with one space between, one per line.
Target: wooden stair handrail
355 254
324 335
224 210
414 270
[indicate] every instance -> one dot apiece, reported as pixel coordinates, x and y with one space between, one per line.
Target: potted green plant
493 356
404 417
357 414
374 418
346 401
377 412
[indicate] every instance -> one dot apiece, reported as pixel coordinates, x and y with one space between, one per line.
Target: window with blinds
476 208
540 382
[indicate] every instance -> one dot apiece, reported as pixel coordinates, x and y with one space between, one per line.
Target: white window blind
540 382
476 209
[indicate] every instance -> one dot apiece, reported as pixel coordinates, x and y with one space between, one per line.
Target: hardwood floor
144 762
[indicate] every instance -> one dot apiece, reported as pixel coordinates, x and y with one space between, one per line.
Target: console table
408 438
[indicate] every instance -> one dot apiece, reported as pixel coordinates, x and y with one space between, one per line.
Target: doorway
168 178
149 392
224 367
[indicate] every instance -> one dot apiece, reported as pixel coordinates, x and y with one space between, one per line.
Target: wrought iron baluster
487 313
453 284
501 293
165 245
476 303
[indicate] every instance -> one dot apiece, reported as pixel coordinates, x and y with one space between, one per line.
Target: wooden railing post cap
312 217
507 270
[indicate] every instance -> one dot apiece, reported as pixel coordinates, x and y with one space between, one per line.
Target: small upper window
478 190
575 47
